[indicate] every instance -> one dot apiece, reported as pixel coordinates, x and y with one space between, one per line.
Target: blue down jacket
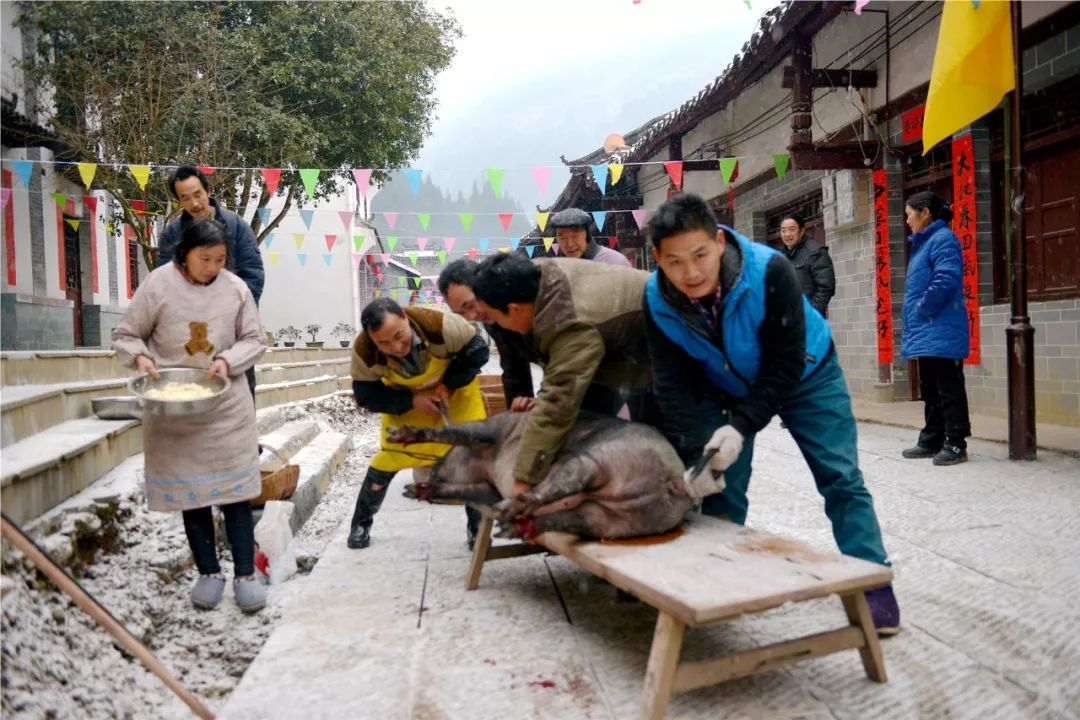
935 320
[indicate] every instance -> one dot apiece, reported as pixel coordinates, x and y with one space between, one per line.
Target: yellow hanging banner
274 257
541 220
298 238
616 172
87 172
141 173
548 242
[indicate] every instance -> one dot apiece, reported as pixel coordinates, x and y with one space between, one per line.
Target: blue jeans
818 415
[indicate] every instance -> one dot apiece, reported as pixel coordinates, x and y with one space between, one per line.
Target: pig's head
463 465
406 435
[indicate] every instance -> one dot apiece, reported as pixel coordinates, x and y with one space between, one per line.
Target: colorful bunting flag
859 5
90 201
417 280
514 242
675 171
271 177
505 219
466 220
385 258
613 242
298 238
421 242
87 172
391 219
356 260
139 206
616 172
600 218
548 242
268 241
542 174
330 240
414 176
24 169
600 174
60 199
73 223
346 218
363 180
504 249
357 242
727 168
141 173
274 257
781 163
391 242
639 218
5 195
264 215
442 256
473 254
484 245
307 215
413 257
555 247
206 169
302 259
542 220
424 218
310 178
495 179
530 249
328 258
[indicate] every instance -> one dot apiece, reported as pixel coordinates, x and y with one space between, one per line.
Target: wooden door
73 279
1052 223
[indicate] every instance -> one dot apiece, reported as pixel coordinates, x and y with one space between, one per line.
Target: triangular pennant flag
141 173
424 218
302 257
448 243
555 247
542 174
504 249
473 254
87 172
60 199
376 292
727 168
505 219
268 241
530 249
274 257
346 218
613 242
514 242
401 281
442 256
417 281
306 215
310 178
369 259
427 294
616 172
542 219
357 242
600 218
264 214
24 169
363 180
413 256
421 242
414 176
5 195
600 173
298 238
328 258
73 223
548 242
90 201
860 4
271 177
466 221
674 170
391 242
330 240
484 245
356 260
206 169
639 218
391 219
139 206
495 178
385 257
781 163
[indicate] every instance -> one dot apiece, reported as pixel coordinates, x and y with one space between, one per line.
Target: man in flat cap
575 240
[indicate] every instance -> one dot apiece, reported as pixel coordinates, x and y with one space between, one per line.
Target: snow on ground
57 663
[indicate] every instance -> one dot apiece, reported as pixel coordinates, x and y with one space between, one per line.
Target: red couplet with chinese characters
882 281
963 224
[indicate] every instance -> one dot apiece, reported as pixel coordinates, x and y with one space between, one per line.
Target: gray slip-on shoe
207 591
249 594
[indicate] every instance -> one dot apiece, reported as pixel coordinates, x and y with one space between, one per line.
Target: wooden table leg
663 660
858 614
480 551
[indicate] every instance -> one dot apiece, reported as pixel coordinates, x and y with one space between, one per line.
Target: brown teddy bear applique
199 342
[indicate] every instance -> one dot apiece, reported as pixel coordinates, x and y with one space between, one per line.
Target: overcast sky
533 80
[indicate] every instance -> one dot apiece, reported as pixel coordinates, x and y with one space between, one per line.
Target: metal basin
175 408
124 407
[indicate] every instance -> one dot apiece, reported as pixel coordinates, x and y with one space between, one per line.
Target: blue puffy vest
735 367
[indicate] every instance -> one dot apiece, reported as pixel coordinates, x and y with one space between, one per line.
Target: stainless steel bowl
124 407
142 383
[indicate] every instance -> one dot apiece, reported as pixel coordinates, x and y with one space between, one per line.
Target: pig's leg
481 493
475 433
572 477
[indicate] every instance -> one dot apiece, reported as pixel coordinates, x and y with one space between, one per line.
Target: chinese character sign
963 225
882 279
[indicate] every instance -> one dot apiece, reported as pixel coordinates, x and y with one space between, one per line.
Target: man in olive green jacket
589 333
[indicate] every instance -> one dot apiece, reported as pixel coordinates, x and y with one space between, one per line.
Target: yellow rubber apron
466 405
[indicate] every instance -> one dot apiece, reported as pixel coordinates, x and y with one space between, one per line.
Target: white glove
704 483
728 442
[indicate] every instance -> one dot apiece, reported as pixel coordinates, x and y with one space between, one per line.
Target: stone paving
987 574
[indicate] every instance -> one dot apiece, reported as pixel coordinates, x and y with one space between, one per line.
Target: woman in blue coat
936 331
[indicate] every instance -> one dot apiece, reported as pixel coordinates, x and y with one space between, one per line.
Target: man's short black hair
506 278
682 213
459 272
374 315
183 173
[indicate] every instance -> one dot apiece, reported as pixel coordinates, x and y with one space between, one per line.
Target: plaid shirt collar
711 312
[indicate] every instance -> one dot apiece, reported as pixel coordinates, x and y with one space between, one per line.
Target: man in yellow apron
409 364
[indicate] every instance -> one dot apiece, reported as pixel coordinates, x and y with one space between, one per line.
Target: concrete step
269 373
49 467
288 439
318 461
52 367
287 392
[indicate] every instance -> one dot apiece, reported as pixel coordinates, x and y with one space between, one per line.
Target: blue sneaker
884 610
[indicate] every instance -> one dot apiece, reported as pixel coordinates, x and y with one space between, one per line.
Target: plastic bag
275 539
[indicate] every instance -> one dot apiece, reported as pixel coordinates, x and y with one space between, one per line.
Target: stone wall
35 323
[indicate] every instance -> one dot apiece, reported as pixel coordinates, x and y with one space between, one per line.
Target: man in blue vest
733 342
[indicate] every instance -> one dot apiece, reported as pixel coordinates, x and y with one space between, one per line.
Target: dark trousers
250 375
240 529
941 382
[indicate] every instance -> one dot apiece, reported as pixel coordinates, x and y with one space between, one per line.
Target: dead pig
612 478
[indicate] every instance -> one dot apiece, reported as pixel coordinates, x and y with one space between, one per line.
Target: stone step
29 409
288 440
287 392
51 367
319 459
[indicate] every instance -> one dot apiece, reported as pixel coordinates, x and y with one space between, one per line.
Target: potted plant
289 335
313 331
344 332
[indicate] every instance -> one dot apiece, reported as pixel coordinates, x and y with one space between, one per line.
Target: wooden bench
711 571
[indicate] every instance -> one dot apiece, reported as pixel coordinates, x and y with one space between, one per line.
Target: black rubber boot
368 503
472 525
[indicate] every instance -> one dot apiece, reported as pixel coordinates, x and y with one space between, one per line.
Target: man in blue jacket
191 188
733 342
